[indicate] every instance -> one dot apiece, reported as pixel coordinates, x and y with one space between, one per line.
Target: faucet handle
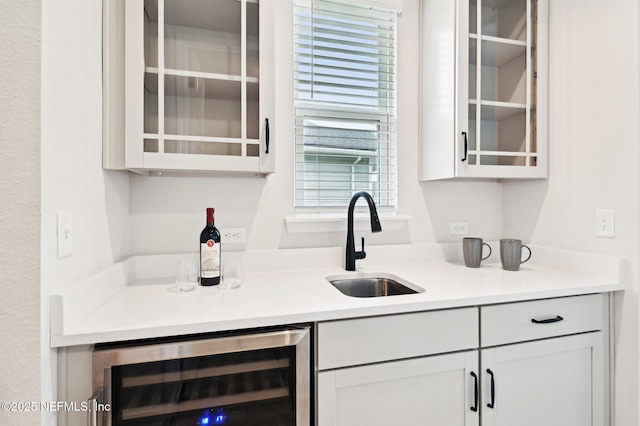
361 254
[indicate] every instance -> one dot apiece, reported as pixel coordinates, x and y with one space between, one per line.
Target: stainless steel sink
372 285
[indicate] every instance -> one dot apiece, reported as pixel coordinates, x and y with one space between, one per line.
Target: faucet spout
351 254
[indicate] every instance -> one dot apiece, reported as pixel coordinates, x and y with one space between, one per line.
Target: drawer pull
492 404
547 321
475 392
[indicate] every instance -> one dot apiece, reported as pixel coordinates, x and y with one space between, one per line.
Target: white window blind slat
345 103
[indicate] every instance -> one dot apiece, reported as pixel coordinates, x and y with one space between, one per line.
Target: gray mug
472 251
511 254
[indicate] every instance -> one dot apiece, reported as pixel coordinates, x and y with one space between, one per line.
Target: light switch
65 234
605 223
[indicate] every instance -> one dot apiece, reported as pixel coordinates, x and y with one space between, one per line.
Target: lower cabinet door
437 390
553 382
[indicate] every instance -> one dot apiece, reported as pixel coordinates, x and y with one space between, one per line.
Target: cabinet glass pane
197 106
202 148
502 160
151 102
150 145
471 134
473 61
503 73
503 129
253 150
504 19
253 36
473 17
203 36
150 26
253 111
151 33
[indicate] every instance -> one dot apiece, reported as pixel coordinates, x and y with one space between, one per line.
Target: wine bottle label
210 259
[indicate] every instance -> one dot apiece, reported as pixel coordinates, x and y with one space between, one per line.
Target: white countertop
288 296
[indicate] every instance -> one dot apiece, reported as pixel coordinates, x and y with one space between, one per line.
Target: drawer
517 322
375 339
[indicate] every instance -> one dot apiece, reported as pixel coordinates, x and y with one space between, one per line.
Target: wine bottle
210 252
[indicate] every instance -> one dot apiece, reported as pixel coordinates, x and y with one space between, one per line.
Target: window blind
345 103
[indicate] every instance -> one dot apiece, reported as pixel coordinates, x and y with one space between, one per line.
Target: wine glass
186 276
232 274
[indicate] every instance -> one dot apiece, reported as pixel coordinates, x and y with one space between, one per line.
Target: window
345 103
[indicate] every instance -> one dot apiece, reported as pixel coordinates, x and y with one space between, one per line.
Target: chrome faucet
352 255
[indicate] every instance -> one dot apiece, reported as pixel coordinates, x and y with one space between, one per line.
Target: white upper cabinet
192 85
483 88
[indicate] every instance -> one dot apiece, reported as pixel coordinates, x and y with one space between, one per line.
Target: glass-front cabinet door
193 86
495 73
502 81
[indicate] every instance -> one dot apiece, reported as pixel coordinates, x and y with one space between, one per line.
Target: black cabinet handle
266 131
475 392
466 146
493 390
547 321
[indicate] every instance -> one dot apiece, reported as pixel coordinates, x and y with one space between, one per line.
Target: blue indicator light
209 417
219 417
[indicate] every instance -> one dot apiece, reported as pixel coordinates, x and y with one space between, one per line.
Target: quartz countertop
289 296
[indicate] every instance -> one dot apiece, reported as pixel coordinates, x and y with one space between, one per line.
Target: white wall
72 175
20 50
594 160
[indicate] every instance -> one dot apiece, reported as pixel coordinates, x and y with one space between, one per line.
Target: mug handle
487 256
528 257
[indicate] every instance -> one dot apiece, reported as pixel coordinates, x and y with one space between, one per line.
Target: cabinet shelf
216 86
205 139
492 110
205 75
496 51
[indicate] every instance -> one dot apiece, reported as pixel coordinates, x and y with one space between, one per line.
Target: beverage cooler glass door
251 379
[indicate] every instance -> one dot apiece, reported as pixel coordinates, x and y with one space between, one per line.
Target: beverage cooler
262 378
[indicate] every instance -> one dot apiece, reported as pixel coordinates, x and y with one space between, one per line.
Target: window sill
338 223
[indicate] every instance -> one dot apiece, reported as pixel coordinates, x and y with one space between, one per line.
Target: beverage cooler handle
266 131
92 412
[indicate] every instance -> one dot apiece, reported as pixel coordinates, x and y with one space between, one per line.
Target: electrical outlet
459 228
234 235
605 223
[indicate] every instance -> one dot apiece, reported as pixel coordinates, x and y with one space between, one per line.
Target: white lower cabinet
527 364
553 382
420 391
